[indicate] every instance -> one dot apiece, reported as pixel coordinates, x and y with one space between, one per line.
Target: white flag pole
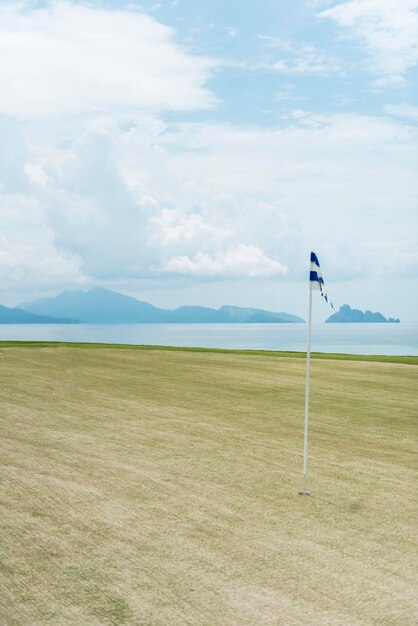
305 436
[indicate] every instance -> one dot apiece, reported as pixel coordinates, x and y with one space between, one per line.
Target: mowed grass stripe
160 487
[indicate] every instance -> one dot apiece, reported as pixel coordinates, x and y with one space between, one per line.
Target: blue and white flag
316 280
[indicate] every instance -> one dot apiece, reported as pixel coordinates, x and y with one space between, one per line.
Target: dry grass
159 488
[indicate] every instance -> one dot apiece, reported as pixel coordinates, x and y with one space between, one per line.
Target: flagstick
305 437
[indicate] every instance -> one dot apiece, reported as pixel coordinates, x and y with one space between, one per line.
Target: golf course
153 486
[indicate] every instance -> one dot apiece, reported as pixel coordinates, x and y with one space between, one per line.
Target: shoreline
407 360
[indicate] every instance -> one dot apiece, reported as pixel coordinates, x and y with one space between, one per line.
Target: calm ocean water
391 339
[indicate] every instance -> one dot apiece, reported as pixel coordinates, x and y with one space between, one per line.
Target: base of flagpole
303 493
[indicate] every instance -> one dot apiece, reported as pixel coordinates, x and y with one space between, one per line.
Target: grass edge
406 360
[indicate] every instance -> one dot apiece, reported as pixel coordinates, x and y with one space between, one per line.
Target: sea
379 339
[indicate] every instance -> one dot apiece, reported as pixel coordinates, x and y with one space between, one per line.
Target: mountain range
103 306
19 316
348 315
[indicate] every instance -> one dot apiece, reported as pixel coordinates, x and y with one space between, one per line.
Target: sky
196 151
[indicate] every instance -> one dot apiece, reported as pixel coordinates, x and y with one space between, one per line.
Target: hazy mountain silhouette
102 306
348 315
18 316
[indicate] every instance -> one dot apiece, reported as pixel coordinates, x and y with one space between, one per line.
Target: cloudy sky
195 151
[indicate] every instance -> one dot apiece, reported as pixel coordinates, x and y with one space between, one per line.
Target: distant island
19 316
103 306
348 315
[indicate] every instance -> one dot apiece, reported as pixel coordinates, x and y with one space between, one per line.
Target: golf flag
316 280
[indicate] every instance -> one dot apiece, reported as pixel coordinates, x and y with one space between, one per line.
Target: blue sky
194 152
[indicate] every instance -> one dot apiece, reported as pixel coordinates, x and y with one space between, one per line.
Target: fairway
159 488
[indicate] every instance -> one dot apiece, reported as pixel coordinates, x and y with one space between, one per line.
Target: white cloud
232 31
26 266
95 187
403 110
212 200
241 261
287 92
326 180
399 257
308 60
67 58
386 258
95 214
103 190
389 31
300 59
173 229
29 259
